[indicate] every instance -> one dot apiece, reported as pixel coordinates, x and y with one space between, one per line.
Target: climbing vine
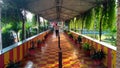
100 19
91 18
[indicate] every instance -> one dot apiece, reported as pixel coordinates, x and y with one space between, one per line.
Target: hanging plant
109 14
112 13
98 12
89 19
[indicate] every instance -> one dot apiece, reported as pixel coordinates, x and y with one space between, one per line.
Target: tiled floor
47 56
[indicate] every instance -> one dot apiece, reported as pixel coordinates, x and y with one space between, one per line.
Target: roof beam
48 14
58 8
68 14
46 9
70 9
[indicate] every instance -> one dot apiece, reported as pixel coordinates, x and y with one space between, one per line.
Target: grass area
105 38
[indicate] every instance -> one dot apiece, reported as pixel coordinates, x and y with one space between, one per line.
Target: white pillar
118 39
0 30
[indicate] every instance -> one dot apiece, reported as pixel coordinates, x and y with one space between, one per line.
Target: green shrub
86 46
79 39
70 35
98 55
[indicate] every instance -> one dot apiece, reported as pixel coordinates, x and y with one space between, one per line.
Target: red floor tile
47 56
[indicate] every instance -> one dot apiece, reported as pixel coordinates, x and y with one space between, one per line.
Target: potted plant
98 56
70 35
31 50
86 48
79 40
65 31
12 64
39 43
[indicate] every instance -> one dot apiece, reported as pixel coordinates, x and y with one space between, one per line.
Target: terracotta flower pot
79 46
31 52
39 46
87 53
97 62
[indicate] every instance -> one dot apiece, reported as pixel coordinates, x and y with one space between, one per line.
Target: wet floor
47 55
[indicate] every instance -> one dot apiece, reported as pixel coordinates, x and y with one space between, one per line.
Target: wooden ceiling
60 9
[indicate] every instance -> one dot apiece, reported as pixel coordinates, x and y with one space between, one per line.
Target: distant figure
56 27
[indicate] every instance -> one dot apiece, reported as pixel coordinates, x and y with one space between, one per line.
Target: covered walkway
39 48
47 55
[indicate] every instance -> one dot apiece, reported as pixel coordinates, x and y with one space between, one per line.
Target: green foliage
7 36
75 24
11 10
86 46
111 11
79 39
79 23
39 41
34 20
16 26
28 25
6 28
34 31
105 13
98 12
98 55
12 64
70 35
89 20
12 18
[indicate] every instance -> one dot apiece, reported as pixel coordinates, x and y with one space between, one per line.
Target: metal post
59 41
82 24
75 26
100 28
44 23
38 22
60 52
60 59
0 29
23 29
82 28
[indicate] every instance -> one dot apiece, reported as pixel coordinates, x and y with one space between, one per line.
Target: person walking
56 27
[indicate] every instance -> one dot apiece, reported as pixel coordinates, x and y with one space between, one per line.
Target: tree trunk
100 29
83 23
75 26
23 28
44 25
37 24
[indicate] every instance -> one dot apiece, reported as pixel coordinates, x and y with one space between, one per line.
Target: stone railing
19 50
110 51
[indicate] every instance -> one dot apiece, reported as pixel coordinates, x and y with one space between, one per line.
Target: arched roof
60 9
